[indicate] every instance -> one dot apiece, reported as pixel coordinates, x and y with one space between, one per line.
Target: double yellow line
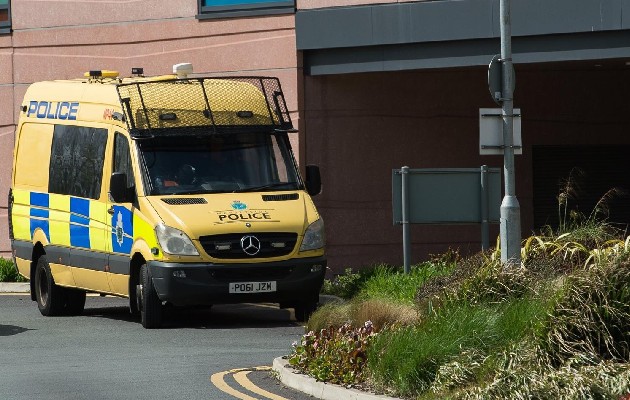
240 376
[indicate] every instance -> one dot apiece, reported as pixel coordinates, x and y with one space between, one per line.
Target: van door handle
110 210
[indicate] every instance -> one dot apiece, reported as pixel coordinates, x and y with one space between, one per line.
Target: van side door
120 219
75 183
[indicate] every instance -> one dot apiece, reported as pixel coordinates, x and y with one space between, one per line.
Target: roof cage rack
208 105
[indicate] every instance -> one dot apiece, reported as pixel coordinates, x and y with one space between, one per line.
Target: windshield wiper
268 186
196 191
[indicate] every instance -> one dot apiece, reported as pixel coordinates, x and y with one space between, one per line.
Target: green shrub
557 328
348 284
409 359
9 272
525 373
592 315
393 284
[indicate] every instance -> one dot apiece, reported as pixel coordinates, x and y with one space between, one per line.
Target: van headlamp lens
314 237
175 242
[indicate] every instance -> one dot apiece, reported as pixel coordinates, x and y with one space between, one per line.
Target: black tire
304 310
150 304
75 301
134 300
50 297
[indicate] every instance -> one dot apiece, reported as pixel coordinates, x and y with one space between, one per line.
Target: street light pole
510 228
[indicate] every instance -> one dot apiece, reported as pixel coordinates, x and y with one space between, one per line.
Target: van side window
76 161
122 158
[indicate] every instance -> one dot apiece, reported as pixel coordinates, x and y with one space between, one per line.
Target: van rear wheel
50 297
148 301
75 301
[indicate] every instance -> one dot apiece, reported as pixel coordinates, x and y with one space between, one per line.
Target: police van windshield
237 162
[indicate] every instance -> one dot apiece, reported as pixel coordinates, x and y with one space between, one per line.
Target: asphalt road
106 354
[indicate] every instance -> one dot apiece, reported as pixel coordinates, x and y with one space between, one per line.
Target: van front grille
249 245
180 201
280 197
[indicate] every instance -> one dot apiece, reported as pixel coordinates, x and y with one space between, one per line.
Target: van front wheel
148 301
303 310
50 297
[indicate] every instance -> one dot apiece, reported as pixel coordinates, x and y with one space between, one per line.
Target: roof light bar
101 73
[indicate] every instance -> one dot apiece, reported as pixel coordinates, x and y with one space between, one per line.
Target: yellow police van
167 190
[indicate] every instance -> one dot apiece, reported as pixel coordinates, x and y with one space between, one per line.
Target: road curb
15 287
320 390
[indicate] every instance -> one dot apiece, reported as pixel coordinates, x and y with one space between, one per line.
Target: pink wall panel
6 66
142 31
55 13
18 96
5 244
6 162
6 105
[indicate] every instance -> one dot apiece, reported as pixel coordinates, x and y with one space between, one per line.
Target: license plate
252 287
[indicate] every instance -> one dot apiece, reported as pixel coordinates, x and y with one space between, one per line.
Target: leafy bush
348 284
336 355
556 328
410 358
592 316
388 282
523 372
9 272
393 284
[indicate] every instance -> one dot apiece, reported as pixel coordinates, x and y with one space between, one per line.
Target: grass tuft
9 272
410 358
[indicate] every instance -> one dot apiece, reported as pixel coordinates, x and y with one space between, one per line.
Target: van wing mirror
118 188
313 180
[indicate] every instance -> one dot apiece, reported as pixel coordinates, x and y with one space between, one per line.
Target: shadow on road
221 316
10 330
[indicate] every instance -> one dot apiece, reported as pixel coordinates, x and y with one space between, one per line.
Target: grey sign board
447 196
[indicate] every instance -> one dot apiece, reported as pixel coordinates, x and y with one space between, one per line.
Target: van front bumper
181 284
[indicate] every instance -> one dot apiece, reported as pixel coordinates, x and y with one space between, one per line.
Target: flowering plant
334 355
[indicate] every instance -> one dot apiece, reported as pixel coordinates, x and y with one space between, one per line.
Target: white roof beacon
182 70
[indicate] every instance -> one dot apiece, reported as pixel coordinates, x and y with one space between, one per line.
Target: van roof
165 104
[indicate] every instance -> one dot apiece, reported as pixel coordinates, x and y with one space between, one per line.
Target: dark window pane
122 158
226 8
210 3
76 161
4 16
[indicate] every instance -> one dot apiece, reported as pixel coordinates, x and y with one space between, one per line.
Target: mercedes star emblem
250 245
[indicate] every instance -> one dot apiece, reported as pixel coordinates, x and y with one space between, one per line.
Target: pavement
287 375
11 287
319 390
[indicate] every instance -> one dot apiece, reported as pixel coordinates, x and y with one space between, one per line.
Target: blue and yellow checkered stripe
64 220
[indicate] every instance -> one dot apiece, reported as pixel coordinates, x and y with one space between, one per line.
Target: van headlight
314 237
175 242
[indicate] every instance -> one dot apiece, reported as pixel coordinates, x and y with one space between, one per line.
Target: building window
239 8
5 16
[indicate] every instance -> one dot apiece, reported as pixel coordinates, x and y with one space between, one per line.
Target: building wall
361 126
6 134
60 40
